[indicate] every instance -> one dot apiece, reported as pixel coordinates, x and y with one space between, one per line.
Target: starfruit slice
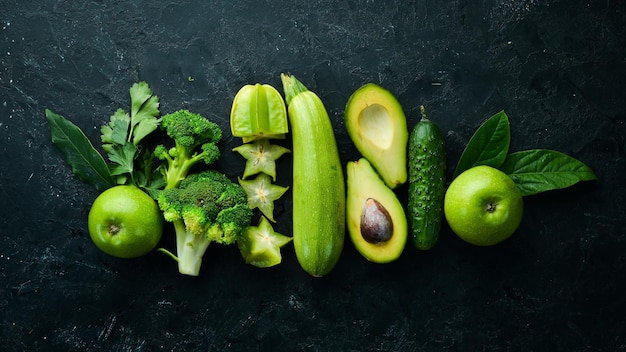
262 193
258 111
260 245
260 156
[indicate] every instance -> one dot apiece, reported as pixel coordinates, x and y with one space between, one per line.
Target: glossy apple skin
125 222
483 206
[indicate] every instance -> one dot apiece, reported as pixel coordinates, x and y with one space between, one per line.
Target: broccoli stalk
190 248
195 140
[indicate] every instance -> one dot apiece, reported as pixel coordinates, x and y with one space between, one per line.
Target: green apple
125 222
483 206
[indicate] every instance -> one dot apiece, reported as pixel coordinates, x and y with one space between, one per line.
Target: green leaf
144 128
122 134
139 93
154 185
147 177
123 156
539 170
488 146
149 109
144 111
86 162
116 131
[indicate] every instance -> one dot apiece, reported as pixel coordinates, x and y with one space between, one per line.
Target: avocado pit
376 223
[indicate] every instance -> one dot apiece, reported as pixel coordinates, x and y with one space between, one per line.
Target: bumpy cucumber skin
318 188
427 183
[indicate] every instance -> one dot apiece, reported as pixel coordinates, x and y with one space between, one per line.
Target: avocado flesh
364 185
377 126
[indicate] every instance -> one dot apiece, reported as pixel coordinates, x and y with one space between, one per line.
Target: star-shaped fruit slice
260 157
260 245
262 193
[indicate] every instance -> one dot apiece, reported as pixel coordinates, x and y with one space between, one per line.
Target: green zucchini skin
318 189
427 183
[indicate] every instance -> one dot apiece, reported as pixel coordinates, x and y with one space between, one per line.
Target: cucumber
427 177
318 189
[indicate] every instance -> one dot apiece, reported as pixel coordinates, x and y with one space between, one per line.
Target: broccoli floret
228 227
195 140
205 207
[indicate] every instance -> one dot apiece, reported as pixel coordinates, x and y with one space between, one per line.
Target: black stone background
557 68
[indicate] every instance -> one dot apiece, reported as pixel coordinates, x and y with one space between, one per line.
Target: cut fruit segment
377 126
376 220
260 245
258 111
260 156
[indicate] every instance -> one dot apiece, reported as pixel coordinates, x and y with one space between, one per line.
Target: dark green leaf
148 177
86 162
539 170
488 146
154 186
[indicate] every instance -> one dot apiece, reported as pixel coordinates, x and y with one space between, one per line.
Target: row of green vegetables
143 184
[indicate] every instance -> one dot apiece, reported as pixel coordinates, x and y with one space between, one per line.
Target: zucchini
427 177
318 188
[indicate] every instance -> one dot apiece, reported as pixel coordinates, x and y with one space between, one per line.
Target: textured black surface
558 68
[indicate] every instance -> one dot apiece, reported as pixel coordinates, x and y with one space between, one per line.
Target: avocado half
376 221
377 126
